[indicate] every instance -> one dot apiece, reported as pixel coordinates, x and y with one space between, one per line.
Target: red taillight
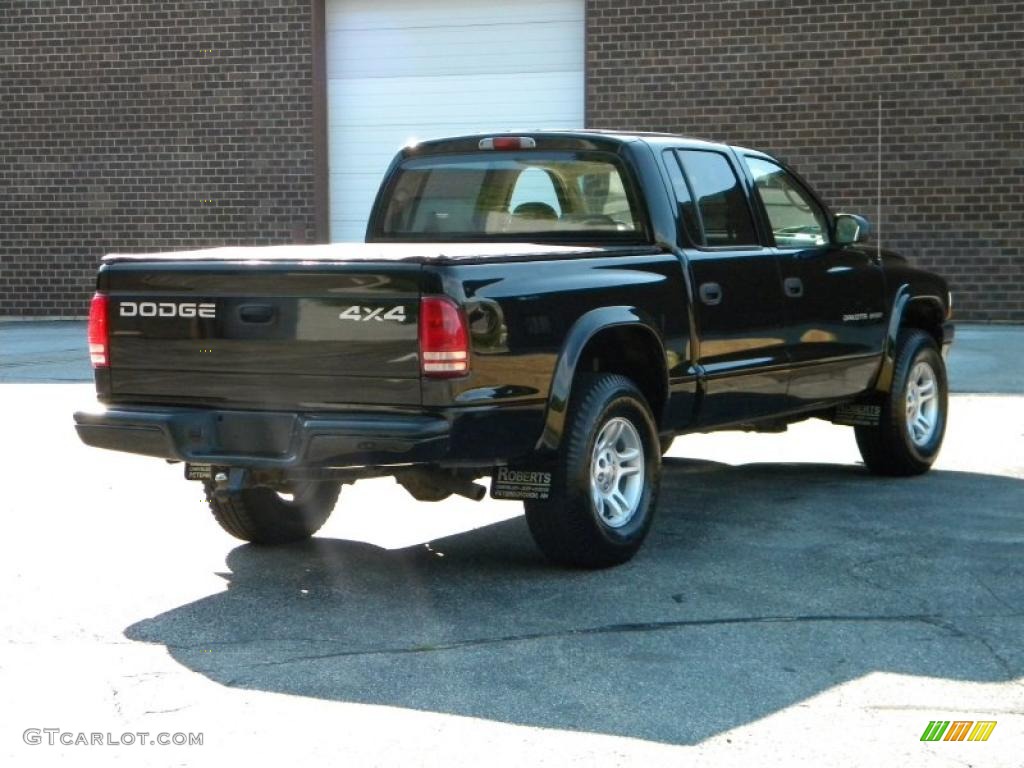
505 143
98 339
444 338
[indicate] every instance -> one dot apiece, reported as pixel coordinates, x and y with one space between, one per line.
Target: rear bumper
267 439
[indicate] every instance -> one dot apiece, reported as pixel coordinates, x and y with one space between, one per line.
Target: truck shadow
760 586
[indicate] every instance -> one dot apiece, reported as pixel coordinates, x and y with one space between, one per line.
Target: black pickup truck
547 309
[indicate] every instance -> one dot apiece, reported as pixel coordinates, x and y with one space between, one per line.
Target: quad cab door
738 302
833 294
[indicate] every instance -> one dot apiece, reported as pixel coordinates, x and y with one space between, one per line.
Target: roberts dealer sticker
519 484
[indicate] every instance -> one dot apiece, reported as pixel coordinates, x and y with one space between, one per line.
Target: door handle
711 293
256 313
794 287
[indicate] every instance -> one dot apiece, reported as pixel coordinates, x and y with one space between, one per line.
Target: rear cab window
528 195
536 193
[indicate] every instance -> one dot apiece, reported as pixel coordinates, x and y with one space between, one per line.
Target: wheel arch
924 311
619 339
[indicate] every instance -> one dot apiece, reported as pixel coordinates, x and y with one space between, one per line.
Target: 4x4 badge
365 314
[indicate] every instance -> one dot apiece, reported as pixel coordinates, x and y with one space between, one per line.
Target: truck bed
307 328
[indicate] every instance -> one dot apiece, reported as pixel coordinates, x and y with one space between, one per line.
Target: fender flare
586 327
883 382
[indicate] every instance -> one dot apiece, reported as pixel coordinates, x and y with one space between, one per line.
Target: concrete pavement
788 609
44 351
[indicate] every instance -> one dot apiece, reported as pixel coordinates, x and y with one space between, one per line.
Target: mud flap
857 415
199 472
521 484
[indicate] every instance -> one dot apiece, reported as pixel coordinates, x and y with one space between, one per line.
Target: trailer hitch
234 480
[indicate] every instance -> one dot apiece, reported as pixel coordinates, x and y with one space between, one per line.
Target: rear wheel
912 421
603 498
266 516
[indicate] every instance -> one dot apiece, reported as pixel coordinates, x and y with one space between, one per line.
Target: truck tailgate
277 335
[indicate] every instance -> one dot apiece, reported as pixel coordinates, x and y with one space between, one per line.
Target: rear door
295 336
739 309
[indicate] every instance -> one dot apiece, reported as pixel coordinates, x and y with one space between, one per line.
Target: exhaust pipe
468 489
437 485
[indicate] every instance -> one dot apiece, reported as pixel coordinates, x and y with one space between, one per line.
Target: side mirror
851 228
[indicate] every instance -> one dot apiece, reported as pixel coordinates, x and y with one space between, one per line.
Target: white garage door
401 70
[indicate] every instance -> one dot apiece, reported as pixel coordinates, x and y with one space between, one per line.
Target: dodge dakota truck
543 309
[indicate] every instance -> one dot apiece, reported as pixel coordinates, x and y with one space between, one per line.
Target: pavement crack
1000 660
166 711
855 571
984 585
606 629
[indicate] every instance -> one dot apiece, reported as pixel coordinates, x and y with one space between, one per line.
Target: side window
687 211
534 196
797 220
720 201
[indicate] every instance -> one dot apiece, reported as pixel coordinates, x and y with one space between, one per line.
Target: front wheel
264 515
603 498
912 420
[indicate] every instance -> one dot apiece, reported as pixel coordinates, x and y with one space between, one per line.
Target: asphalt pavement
788 608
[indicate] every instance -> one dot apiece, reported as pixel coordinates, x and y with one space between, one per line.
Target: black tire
665 443
567 527
888 448
261 516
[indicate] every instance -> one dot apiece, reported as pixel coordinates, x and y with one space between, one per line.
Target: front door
833 294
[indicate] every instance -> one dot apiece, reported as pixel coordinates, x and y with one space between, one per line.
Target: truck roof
564 139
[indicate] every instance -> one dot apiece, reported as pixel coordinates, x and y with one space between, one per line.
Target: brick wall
141 126
801 78
119 121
